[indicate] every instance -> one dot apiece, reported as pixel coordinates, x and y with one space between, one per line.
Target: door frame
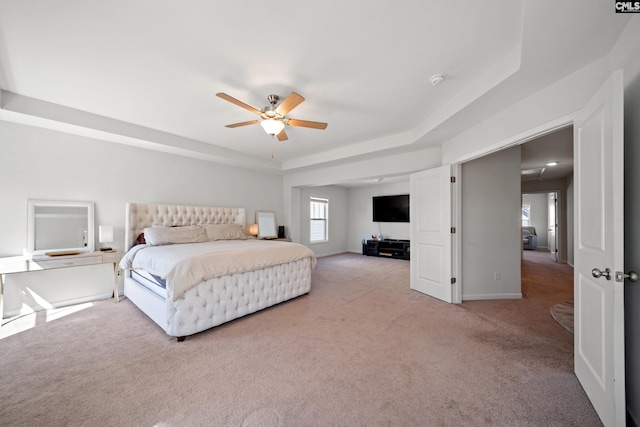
456 197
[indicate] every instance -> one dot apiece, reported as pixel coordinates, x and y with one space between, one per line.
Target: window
319 215
526 214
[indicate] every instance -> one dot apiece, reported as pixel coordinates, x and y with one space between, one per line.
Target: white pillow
225 232
156 236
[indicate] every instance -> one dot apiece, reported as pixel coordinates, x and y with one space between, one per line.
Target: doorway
547 171
547 190
552 224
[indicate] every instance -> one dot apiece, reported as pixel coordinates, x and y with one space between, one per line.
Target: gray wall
626 55
338 219
361 225
491 221
632 244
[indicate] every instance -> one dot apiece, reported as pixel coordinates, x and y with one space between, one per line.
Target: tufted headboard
142 215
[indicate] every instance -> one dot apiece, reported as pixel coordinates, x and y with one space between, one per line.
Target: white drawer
64 262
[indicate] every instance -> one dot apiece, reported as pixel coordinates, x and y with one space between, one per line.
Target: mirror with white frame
266 221
59 226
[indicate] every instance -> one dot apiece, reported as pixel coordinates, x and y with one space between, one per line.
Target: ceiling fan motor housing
269 112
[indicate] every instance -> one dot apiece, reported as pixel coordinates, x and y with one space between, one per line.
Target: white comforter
185 265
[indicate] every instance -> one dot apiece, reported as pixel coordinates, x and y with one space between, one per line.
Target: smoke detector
436 79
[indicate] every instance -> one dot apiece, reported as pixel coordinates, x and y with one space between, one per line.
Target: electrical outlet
497 275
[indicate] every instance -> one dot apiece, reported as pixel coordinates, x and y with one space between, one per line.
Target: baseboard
336 253
472 297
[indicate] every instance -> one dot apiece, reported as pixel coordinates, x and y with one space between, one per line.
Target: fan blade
238 103
291 102
250 122
282 136
306 124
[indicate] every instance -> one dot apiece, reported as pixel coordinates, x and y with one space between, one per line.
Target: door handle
632 276
597 273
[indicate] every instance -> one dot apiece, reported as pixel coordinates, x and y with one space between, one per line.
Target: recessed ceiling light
551 163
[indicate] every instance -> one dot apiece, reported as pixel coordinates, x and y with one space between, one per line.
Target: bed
190 268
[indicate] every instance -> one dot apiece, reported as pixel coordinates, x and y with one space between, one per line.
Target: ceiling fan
274 118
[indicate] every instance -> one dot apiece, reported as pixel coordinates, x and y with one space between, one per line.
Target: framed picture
267 227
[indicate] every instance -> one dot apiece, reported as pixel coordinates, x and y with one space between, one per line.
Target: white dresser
24 264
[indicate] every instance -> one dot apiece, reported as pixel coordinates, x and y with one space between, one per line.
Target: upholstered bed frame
213 301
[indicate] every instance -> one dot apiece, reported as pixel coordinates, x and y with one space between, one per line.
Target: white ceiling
362 65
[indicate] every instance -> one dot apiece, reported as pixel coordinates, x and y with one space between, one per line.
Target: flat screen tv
391 208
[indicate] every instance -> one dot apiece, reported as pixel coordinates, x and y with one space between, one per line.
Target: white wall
552 106
539 216
338 219
361 225
43 164
491 221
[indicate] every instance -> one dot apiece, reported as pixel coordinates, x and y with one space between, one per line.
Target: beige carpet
563 314
361 349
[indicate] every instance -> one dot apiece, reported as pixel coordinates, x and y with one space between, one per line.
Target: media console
391 248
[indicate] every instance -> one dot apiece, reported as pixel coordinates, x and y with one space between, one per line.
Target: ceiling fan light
272 127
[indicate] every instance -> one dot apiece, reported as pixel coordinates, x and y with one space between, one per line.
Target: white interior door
552 227
599 222
431 232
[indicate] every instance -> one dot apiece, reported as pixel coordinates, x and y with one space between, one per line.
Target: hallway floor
544 284
544 279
